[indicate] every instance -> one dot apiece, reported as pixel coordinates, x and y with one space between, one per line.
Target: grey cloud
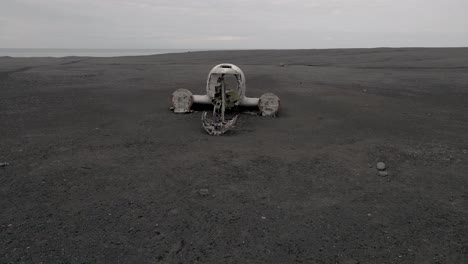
232 24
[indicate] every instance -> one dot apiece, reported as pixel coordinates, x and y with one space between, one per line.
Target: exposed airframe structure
225 90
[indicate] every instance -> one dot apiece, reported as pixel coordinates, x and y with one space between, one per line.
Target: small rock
381 166
204 192
173 212
263 218
281 64
383 173
4 164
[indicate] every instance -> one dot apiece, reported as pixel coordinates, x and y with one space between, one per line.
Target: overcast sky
232 24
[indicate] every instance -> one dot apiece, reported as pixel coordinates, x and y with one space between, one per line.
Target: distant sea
86 52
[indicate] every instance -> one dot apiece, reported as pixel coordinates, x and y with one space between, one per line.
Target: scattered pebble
263 217
4 164
204 192
173 212
281 64
383 173
381 166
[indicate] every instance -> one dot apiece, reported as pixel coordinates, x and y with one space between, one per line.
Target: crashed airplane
225 90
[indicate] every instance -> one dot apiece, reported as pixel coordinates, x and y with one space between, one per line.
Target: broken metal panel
233 94
218 124
217 77
217 128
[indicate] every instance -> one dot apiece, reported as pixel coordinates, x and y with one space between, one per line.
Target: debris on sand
281 65
4 164
381 166
383 173
204 192
251 113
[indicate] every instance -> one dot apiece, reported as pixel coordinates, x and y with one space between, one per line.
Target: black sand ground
101 172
